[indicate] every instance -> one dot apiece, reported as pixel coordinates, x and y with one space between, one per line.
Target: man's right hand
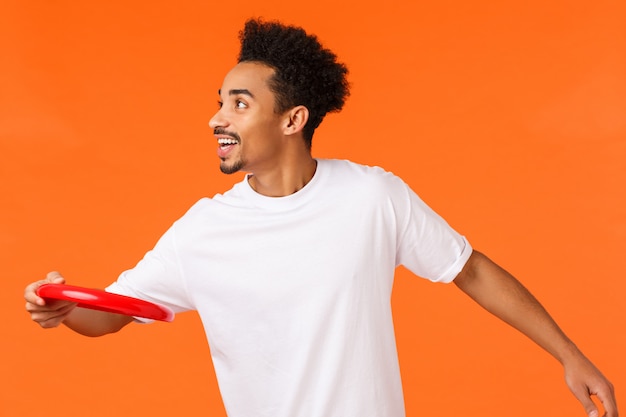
47 313
51 313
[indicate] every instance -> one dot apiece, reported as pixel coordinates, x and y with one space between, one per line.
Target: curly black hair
305 73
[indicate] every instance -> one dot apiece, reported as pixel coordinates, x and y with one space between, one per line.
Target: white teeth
226 141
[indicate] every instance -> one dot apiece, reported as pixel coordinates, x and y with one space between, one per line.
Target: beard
235 166
232 168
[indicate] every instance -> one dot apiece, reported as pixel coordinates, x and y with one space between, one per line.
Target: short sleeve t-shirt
295 292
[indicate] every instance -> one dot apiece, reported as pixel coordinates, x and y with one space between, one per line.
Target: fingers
55 277
30 293
607 398
583 395
593 383
51 313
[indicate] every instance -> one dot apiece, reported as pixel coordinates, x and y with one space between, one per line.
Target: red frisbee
106 301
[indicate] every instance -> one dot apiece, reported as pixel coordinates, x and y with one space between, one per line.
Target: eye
240 104
220 104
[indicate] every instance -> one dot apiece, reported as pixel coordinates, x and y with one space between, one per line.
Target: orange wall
510 120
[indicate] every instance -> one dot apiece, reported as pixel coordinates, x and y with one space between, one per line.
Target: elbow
470 270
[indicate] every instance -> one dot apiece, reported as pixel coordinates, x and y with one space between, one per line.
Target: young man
291 270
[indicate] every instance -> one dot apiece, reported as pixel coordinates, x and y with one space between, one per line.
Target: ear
295 119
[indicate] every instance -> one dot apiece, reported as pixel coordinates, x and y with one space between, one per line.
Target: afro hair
305 73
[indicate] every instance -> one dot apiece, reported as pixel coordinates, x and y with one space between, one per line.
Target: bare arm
51 313
504 296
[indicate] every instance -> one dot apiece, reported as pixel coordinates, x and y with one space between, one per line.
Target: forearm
95 323
505 297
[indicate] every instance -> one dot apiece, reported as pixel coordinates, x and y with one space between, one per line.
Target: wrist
569 354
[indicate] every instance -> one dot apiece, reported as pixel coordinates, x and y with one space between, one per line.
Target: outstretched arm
504 296
51 313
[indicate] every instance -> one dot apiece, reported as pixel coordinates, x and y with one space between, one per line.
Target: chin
232 168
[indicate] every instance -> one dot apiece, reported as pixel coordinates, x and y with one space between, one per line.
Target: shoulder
210 207
368 178
356 170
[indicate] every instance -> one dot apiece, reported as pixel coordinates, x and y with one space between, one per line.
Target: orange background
508 119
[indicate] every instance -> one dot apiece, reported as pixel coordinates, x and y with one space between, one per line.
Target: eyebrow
237 91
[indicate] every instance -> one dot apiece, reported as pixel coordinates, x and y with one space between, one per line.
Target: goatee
231 169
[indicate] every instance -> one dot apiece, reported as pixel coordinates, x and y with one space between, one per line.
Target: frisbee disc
105 301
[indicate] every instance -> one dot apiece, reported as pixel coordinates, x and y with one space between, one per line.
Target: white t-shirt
294 292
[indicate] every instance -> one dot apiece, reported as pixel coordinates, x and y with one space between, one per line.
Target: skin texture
505 297
271 147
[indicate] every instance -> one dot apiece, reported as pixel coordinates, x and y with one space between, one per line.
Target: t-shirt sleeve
427 245
157 277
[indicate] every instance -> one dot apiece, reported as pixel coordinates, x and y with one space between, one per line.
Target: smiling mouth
226 146
225 142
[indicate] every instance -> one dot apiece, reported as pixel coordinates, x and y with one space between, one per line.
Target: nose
217 120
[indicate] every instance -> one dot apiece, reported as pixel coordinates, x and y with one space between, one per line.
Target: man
291 270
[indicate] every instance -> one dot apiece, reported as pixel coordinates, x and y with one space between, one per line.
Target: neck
284 180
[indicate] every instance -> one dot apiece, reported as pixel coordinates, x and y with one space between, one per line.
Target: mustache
222 131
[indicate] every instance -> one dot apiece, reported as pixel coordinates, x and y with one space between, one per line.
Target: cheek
260 133
266 130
